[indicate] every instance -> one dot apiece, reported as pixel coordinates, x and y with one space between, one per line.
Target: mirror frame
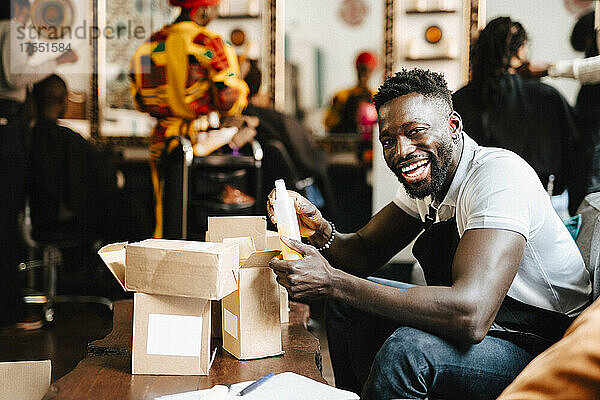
476 22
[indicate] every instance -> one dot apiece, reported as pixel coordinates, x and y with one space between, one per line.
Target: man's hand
310 220
240 121
244 135
531 69
67 57
308 278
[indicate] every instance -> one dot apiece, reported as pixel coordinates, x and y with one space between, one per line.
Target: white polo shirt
496 189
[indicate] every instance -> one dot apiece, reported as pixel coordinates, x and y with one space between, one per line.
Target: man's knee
407 348
402 364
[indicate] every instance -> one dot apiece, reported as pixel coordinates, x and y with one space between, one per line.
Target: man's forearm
349 253
442 311
363 252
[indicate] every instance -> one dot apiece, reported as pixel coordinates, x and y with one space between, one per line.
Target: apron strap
527 326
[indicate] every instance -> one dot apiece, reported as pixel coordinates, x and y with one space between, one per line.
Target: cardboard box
255 227
215 319
274 243
24 380
251 316
174 267
284 305
171 335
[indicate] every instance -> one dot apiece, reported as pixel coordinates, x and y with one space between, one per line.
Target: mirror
322 42
125 24
548 24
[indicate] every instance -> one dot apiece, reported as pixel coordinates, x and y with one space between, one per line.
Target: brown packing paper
24 380
171 335
220 228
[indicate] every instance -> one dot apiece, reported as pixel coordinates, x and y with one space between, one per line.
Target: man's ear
456 124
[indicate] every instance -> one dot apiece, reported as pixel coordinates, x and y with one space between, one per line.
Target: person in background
73 193
502 109
181 75
17 74
70 184
570 369
290 151
342 115
587 108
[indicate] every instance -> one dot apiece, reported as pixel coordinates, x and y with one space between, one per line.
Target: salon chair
192 184
45 256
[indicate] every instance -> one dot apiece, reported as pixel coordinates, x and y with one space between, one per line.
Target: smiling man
504 277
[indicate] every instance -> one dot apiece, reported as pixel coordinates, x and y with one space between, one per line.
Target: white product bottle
287 222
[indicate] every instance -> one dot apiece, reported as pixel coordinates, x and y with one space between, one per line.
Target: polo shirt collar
468 153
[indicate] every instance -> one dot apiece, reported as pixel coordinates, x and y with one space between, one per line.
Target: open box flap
260 258
246 244
220 228
113 256
273 242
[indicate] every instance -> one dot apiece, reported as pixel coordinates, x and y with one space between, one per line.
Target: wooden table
105 373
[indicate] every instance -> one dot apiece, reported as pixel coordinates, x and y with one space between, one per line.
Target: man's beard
439 171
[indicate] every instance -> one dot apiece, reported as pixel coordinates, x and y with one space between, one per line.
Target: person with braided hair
504 105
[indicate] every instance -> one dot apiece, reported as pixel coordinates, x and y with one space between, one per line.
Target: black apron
531 328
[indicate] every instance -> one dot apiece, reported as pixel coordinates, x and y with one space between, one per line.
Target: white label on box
174 335
230 323
197 246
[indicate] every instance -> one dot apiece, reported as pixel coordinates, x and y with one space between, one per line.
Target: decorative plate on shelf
578 7
52 18
354 12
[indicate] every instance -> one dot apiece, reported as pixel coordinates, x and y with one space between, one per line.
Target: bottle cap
280 191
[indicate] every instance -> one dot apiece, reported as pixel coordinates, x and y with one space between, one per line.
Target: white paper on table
174 335
288 386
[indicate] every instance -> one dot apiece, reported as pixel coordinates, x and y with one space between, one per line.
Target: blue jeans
384 360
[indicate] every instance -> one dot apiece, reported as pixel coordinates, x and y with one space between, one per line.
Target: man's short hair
49 92
427 83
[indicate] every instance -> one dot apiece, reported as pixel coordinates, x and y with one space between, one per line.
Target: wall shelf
435 58
435 11
240 16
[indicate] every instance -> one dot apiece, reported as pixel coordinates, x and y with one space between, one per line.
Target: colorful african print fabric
182 72
179 76
342 113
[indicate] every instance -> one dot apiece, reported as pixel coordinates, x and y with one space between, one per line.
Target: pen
255 384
